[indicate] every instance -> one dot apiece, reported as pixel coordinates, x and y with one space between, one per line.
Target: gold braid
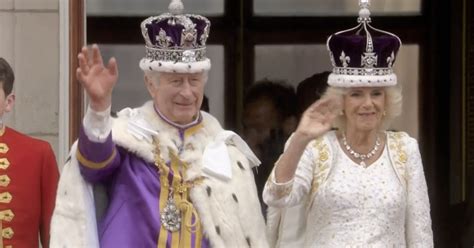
180 193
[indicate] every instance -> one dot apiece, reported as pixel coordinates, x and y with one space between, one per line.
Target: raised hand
318 118
97 79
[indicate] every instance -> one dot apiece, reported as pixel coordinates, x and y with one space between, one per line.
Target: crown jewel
363 55
175 42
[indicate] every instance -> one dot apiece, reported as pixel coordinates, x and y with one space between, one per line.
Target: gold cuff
92 164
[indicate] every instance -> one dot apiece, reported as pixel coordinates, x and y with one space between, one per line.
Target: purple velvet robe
132 218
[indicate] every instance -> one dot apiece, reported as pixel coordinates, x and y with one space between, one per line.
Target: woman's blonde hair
393 104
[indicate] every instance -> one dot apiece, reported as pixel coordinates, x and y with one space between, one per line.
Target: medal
171 216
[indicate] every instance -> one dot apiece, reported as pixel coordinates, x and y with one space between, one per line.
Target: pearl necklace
357 155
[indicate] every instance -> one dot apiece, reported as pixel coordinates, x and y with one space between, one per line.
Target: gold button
4 180
4 148
8 233
6 215
5 197
4 163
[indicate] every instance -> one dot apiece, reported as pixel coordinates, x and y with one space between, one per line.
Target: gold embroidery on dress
279 191
321 167
399 157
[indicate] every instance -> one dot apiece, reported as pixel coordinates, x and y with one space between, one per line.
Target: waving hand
97 79
318 118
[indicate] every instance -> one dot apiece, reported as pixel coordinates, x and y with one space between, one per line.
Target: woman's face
364 108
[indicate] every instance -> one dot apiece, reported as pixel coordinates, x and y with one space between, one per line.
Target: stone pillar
29 31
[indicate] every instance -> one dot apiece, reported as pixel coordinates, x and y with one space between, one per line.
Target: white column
29 31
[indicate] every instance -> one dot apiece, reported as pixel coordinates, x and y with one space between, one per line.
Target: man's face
6 102
259 119
178 96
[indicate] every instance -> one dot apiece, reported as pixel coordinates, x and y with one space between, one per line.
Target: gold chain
164 170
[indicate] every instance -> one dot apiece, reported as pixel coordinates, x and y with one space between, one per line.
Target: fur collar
188 144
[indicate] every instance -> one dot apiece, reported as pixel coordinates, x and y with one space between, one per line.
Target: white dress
360 207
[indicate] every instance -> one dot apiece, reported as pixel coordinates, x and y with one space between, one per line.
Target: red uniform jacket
28 181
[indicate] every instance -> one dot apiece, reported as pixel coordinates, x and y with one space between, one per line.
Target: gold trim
321 168
398 155
178 191
1 238
4 180
92 164
192 130
4 163
5 197
7 215
174 166
4 148
8 233
2 130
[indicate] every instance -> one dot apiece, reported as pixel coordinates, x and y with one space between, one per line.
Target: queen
359 185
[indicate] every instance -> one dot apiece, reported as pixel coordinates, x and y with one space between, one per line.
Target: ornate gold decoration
400 157
4 163
321 167
277 190
5 197
177 211
4 148
7 233
6 215
4 180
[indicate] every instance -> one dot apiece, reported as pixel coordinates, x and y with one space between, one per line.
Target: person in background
174 176
269 117
362 186
205 104
310 90
28 178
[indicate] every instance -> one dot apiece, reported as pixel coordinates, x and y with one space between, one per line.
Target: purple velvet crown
363 56
176 42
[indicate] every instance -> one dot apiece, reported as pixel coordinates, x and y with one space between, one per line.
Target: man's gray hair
155 76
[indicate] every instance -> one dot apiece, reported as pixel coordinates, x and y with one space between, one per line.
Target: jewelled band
172 55
362 71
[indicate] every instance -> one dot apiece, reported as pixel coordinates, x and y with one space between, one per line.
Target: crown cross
344 59
369 60
162 39
189 35
364 3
